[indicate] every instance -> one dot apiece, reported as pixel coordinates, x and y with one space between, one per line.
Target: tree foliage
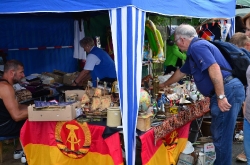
162 20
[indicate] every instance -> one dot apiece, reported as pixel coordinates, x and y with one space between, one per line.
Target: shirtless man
12 114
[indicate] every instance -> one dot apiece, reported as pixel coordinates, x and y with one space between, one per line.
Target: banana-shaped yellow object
155 39
158 33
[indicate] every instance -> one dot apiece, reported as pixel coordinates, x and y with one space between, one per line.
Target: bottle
155 108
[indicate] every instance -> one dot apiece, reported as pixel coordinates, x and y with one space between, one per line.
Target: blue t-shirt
201 54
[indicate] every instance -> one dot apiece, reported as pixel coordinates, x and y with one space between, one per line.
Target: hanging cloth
79 34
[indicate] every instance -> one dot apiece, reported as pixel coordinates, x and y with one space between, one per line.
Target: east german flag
166 150
66 143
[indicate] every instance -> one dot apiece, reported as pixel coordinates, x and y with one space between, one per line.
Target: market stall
77 141
82 128
127 19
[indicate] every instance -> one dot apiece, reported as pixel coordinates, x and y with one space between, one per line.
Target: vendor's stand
164 141
159 145
127 24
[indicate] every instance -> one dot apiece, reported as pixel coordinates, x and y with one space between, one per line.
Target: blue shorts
11 128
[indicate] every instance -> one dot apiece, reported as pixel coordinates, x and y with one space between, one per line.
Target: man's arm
17 112
177 76
217 80
83 76
22 106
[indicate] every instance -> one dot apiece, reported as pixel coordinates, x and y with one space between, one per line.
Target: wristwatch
221 97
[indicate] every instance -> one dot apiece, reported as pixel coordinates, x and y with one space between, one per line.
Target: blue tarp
39 30
194 8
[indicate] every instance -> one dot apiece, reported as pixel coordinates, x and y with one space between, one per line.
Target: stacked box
65 113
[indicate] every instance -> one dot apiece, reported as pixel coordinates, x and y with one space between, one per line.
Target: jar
113 117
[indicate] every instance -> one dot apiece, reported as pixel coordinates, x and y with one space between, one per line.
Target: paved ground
237 149
8 154
8 150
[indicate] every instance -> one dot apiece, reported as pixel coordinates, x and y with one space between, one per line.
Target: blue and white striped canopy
127 26
127 19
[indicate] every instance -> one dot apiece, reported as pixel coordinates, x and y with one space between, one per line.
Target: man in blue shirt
98 64
226 92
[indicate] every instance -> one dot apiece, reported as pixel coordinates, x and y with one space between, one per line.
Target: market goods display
85 99
190 113
23 95
173 106
155 39
96 101
145 100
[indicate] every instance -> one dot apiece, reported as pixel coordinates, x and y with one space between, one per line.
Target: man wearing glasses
226 92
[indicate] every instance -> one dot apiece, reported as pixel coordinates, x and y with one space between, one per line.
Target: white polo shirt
91 61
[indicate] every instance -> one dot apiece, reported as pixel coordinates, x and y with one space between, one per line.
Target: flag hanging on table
165 151
68 143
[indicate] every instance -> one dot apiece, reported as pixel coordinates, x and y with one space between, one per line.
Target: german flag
65 143
165 151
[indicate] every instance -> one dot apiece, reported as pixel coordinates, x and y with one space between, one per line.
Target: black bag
238 58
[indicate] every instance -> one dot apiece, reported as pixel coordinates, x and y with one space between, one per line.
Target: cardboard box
201 159
143 123
72 92
185 159
69 78
56 78
57 75
210 155
66 113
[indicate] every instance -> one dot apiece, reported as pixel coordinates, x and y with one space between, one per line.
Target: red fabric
206 34
148 148
34 132
44 133
182 132
114 147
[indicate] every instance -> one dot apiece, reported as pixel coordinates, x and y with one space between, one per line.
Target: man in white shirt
98 64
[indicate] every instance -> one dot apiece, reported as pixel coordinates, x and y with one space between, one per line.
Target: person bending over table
226 92
12 114
98 64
